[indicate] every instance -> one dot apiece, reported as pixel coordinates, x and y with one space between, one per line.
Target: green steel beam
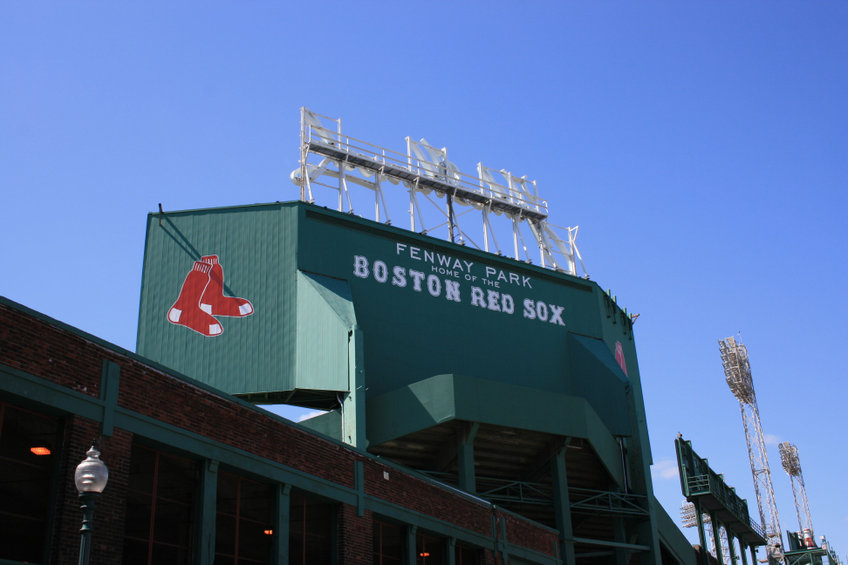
411 546
207 512
614 544
282 516
465 456
562 507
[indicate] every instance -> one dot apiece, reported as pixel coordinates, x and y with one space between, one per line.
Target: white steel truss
792 466
737 370
439 194
689 519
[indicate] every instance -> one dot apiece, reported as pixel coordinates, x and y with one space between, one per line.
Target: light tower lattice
689 519
792 465
737 370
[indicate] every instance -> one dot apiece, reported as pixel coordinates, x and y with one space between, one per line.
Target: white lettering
477 297
414 253
493 300
452 290
468 264
399 248
507 304
417 277
525 281
381 272
529 311
428 256
399 276
556 314
360 266
490 271
434 285
444 260
542 311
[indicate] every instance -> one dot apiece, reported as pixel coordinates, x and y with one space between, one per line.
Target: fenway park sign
460 281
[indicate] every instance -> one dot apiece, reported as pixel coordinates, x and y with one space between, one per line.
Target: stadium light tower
737 370
792 465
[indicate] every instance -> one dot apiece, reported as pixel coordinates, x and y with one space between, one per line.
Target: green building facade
514 383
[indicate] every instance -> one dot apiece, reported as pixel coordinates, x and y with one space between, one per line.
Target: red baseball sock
213 300
186 310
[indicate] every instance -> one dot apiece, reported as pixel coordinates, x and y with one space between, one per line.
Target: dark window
466 555
311 526
244 524
160 508
28 444
388 543
429 550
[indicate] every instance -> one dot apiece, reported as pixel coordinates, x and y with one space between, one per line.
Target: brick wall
64 357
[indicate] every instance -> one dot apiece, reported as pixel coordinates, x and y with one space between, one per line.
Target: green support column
742 549
411 545
622 556
465 457
562 506
753 555
353 405
731 548
207 512
702 536
451 549
717 539
280 547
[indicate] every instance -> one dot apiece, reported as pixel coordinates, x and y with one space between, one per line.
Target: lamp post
90 479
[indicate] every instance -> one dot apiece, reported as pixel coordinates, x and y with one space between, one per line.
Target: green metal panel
468 312
255 246
455 397
422 306
324 319
598 379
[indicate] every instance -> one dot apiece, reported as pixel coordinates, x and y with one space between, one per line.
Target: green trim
411 546
42 392
110 381
207 513
465 457
280 545
614 544
562 505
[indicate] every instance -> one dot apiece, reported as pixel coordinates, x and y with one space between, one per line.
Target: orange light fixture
269 532
40 450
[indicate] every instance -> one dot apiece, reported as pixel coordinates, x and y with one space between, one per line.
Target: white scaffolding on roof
331 160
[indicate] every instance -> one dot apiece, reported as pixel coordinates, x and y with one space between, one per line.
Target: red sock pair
202 298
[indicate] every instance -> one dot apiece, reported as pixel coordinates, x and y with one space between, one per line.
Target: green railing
700 485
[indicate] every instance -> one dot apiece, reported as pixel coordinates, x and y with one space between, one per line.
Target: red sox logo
202 299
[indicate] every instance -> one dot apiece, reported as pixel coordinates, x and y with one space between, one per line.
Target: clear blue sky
702 148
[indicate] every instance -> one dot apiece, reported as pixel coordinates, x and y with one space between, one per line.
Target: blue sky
702 148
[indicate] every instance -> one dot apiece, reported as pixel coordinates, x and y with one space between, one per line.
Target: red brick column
355 537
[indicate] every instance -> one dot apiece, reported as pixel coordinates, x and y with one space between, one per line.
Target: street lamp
90 479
